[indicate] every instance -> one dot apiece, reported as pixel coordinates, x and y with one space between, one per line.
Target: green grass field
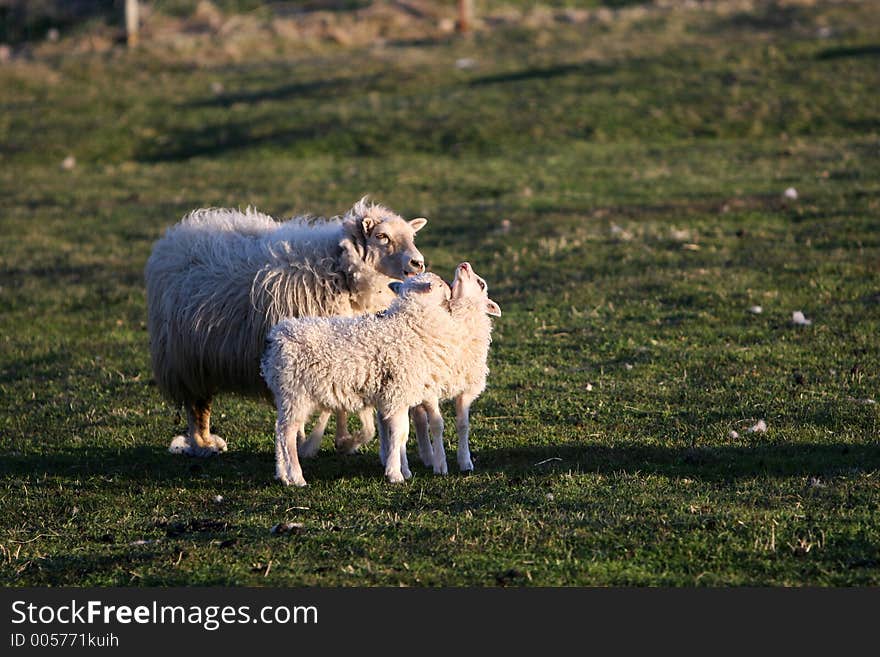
619 184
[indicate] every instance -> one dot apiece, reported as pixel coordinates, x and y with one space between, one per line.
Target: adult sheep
218 280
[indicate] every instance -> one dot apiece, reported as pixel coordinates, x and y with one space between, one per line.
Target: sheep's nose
417 264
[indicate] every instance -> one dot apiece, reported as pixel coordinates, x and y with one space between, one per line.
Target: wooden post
132 22
465 15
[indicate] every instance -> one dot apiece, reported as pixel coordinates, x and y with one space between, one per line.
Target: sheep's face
467 284
390 243
426 289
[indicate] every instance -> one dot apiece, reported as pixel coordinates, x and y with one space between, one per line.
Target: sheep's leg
361 437
435 420
199 440
343 440
398 428
419 418
320 426
287 467
462 426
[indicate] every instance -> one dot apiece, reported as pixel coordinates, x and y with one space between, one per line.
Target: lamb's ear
396 287
493 308
417 224
421 287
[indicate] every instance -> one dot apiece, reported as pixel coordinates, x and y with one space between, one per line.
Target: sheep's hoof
309 449
467 467
182 445
347 445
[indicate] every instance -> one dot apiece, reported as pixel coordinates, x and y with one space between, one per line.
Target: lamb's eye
482 284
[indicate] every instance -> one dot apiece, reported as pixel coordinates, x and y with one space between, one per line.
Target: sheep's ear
493 308
368 224
396 287
417 224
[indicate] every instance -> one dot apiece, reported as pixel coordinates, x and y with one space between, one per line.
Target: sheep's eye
382 237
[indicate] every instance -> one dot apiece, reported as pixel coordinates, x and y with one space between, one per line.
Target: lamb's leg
383 438
320 427
398 428
310 447
368 426
419 418
287 467
199 440
435 419
462 426
404 461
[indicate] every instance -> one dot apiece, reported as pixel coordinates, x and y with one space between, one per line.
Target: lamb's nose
418 265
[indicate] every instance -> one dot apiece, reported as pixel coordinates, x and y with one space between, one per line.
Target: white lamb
465 379
387 361
220 279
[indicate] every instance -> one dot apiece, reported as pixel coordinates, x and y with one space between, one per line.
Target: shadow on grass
586 68
151 466
216 140
726 463
326 88
872 50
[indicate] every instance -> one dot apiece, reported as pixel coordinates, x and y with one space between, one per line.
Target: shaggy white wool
464 378
386 361
219 279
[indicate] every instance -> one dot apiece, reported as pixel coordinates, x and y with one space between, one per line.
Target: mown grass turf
620 186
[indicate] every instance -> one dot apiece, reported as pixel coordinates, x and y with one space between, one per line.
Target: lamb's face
467 285
426 289
390 243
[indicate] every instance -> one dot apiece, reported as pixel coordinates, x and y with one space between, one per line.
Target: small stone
286 528
759 427
798 319
790 193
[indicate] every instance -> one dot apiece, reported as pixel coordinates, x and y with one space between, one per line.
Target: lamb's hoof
427 456
466 466
182 445
442 469
289 480
394 477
